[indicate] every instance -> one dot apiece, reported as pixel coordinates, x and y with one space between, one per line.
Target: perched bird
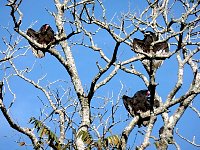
44 36
137 104
146 46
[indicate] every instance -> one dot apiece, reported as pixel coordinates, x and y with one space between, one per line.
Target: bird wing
34 35
128 103
139 45
161 47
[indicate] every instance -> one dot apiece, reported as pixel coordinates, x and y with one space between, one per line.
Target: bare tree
78 25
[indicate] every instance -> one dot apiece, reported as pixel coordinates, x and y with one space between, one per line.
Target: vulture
146 46
44 36
139 103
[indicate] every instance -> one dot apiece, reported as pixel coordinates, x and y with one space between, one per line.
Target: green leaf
43 130
85 136
113 140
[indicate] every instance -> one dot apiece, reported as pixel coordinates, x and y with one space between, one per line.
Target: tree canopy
95 54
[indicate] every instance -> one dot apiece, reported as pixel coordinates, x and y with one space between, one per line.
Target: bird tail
38 53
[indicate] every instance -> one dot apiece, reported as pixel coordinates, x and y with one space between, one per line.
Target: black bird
44 36
146 46
139 103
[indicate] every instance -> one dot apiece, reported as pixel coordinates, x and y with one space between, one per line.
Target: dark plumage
139 103
44 36
146 46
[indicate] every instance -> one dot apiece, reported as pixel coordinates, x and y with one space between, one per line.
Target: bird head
150 36
44 28
144 93
124 97
148 93
148 33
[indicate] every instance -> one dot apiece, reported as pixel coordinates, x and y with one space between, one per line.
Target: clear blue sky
27 103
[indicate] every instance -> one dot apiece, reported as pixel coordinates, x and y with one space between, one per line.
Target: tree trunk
85 122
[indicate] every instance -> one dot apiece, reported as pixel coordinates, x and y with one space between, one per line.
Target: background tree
65 96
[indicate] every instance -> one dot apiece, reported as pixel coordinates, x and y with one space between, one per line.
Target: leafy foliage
112 141
44 131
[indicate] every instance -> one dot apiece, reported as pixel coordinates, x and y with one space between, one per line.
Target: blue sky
27 103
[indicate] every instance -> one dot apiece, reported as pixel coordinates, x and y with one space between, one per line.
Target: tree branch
93 86
26 131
